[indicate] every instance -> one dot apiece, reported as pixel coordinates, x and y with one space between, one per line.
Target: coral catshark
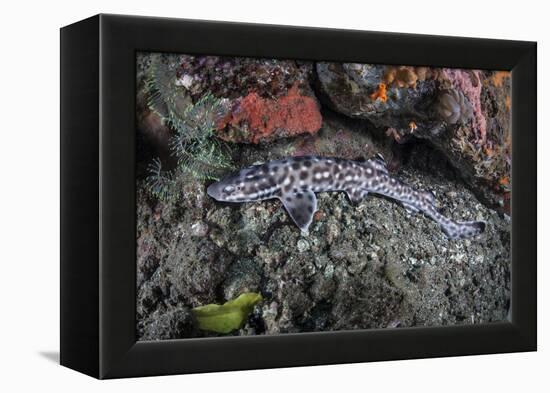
296 180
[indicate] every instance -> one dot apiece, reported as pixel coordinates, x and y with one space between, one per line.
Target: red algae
265 119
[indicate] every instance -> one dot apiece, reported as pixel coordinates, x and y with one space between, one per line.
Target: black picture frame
98 203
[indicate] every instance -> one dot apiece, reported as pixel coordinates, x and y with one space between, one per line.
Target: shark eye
229 189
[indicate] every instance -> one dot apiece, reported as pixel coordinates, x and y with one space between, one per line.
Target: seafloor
369 265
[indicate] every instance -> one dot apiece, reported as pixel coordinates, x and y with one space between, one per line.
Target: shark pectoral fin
356 195
300 206
409 208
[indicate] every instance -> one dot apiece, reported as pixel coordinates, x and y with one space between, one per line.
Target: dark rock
174 324
242 276
196 268
324 285
235 77
364 301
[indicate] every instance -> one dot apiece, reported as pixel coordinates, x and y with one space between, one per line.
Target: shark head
229 189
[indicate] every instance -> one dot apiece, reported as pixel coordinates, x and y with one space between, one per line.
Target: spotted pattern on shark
294 181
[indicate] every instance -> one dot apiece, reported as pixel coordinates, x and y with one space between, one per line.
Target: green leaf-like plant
194 145
229 316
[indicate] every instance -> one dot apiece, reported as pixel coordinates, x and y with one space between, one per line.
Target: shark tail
456 229
463 229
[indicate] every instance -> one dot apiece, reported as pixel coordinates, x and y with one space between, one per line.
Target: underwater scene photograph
280 196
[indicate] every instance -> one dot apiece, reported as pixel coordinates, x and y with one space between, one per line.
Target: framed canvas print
296 196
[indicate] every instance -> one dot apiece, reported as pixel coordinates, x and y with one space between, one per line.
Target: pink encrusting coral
261 119
469 83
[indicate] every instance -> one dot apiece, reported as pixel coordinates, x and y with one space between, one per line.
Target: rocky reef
465 114
366 265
